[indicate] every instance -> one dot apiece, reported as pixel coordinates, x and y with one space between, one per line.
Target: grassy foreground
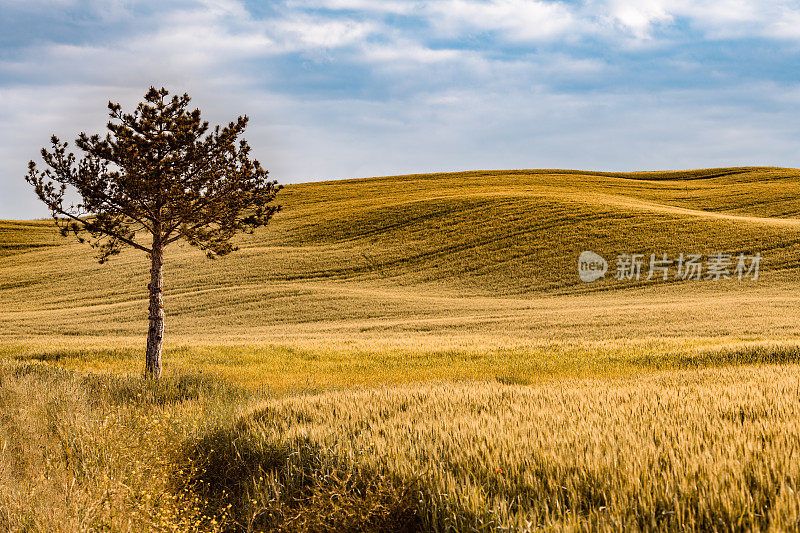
705 449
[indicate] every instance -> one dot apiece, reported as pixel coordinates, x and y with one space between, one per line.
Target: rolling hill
417 353
464 253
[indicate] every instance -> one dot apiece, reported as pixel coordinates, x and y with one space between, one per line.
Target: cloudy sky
355 88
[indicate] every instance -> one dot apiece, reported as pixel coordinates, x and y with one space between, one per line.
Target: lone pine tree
159 172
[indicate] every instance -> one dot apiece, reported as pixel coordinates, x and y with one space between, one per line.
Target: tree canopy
159 170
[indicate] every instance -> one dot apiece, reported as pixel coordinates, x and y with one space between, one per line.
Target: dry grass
318 366
416 352
702 449
94 453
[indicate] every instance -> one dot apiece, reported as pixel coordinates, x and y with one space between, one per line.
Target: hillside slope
478 253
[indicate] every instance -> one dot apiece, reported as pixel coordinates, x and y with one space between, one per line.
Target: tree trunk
155 335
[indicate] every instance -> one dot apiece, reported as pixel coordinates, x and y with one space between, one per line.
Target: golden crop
417 352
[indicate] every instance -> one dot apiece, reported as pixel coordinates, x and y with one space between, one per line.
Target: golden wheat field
417 353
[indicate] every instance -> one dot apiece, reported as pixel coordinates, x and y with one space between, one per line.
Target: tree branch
94 229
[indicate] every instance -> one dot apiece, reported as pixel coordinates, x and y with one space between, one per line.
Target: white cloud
303 32
551 20
397 7
787 26
717 19
638 16
516 19
401 52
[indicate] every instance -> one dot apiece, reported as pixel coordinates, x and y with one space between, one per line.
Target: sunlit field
417 353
